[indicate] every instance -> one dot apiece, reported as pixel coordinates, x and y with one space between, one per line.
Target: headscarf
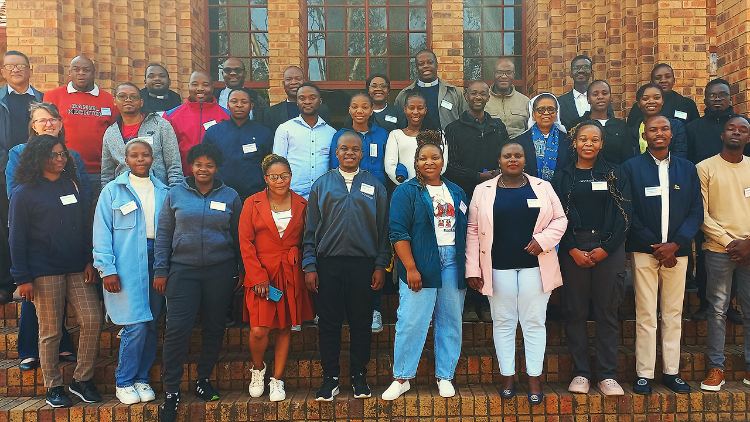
546 148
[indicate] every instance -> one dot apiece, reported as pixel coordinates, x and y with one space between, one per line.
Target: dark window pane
397 19
258 2
214 2
488 67
335 19
417 42
358 69
316 44
472 69
259 19
378 44
379 65
336 44
317 69
356 17
472 19
356 44
240 43
337 69
216 64
217 18
518 14
238 20
260 70
493 43
316 19
493 19
400 69
397 2
397 44
513 43
513 2
510 19
493 2
378 19
259 41
314 2
412 69
417 19
472 44
336 2
218 44
417 2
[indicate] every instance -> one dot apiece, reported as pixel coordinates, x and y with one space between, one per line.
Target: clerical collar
159 97
428 84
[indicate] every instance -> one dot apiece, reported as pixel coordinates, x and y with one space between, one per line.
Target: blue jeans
28 333
415 310
138 342
719 270
518 295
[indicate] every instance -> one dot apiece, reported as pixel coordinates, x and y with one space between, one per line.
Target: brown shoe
714 380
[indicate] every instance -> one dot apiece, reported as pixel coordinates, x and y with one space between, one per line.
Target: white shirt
400 149
663 166
348 178
582 102
144 188
281 219
444 213
94 91
224 100
603 121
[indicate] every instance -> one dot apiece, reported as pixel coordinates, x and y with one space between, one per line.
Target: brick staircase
477 375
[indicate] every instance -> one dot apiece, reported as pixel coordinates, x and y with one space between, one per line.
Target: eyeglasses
718 95
229 70
62 155
284 176
505 72
12 67
124 97
546 110
379 86
52 121
580 67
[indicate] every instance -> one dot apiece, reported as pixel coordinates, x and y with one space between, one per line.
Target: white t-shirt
445 214
400 149
348 178
144 188
281 219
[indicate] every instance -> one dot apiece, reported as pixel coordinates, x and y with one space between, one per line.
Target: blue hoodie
373 145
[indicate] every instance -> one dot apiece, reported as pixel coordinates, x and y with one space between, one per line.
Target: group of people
481 188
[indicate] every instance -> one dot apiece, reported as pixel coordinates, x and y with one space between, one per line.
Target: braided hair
272 159
425 138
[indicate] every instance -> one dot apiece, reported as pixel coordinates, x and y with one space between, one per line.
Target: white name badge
106 111
208 124
325 151
373 150
747 192
248 148
653 191
367 189
218 206
680 114
598 185
534 202
128 208
446 104
149 139
462 207
68 199
391 119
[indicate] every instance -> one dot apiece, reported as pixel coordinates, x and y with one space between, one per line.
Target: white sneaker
145 392
396 390
277 390
127 395
445 388
296 328
377 322
257 381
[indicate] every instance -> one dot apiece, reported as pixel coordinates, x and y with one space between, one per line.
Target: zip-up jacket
197 230
704 135
6 141
678 146
512 110
343 222
190 122
373 146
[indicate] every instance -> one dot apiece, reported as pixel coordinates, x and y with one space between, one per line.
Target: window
492 29
347 40
239 28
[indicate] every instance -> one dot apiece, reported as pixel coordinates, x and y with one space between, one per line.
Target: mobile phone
274 294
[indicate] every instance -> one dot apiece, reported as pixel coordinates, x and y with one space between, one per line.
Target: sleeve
638 231
333 161
10 170
456 171
281 142
86 192
710 227
383 259
170 153
634 115
248 248
104 255
390 157
5 140
400 101
267 147
164 235
568 241
678 146
401 218
690 132
692 223
445 154
234 222
551 235
693 113
309 259
108 166
473 268
623 213
19 237
87 224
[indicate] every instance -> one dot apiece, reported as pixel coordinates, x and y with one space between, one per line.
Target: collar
299 119
577 94
510 94
666 160
29 90
94 91
436 82
159 97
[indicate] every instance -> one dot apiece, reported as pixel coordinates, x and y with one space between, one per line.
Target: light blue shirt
308 150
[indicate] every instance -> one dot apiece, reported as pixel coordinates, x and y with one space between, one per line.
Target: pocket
122 221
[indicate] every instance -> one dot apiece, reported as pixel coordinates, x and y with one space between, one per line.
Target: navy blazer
685 204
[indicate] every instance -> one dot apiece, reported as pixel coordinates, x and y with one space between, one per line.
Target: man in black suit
287 110
234 74
575 103
156 95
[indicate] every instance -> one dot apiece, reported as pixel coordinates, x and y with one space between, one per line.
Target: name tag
391 119
128 208
373 150
534 202
653 191
598 185
68 199
367 189
208 124
149 139
446 104
680 114
218 206
747 192
248 148
106 111
325 151
462 207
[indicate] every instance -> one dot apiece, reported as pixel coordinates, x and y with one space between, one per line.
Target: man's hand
26 291
89 274
598 255
581 258
664 253
739 250
475 283
112 283
160 284
414 280
311 281
240 283
378 279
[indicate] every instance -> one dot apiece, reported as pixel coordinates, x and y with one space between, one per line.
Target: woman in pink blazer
515 224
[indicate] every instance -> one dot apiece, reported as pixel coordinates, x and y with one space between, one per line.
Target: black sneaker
642 386
205 390
86 390
328 390
675 383
168 411
734 316
57 397
360 387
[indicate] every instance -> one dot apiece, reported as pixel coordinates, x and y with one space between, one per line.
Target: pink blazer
549 229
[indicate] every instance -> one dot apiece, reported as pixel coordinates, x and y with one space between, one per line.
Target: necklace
415 131
274 206
502 182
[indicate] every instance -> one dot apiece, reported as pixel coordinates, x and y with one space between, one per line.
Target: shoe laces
171 398
377 318
330 383
257 379
276 386
141 386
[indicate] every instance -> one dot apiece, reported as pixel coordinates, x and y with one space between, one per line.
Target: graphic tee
444 212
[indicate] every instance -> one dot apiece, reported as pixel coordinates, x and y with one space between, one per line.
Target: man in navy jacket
667 213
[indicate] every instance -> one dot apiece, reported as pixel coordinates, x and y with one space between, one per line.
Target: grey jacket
447 92
167 166
346 223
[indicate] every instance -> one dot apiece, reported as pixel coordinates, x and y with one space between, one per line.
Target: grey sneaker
377 322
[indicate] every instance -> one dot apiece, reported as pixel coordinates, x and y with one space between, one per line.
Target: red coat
269 257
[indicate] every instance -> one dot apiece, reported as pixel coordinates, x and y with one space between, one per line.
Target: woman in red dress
271 229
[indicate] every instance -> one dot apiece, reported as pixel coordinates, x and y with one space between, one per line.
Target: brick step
475 402
476 365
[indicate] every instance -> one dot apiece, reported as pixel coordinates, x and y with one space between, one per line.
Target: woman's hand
26 291
112 283
475 283
581 258
89 275
598 255
378 279
311 281
160 284
240 283
414 280
533 247
261 289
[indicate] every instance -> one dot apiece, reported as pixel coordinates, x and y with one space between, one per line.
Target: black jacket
618 211
150 103
391 118
473 150
259 103
275 115
677 146
704 135
569 112
618 145
565 152
672 102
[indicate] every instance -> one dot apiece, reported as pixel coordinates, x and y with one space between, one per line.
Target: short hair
49 108
645 122
659 66
718 81
141 141
310 84
642 90
16 53
130 84
427 51
470 83
240 90
361 94
205 150
377 75
157 65
348 134
602 81
272 159
513 142
737 116
581 57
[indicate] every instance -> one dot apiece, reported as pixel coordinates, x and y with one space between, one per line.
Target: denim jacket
412 219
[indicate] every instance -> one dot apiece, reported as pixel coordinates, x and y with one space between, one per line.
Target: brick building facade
700 39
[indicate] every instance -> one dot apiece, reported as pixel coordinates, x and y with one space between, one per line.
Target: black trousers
344 290
208 288
602 285
6 280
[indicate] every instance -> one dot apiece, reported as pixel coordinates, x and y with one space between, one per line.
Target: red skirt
295 305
